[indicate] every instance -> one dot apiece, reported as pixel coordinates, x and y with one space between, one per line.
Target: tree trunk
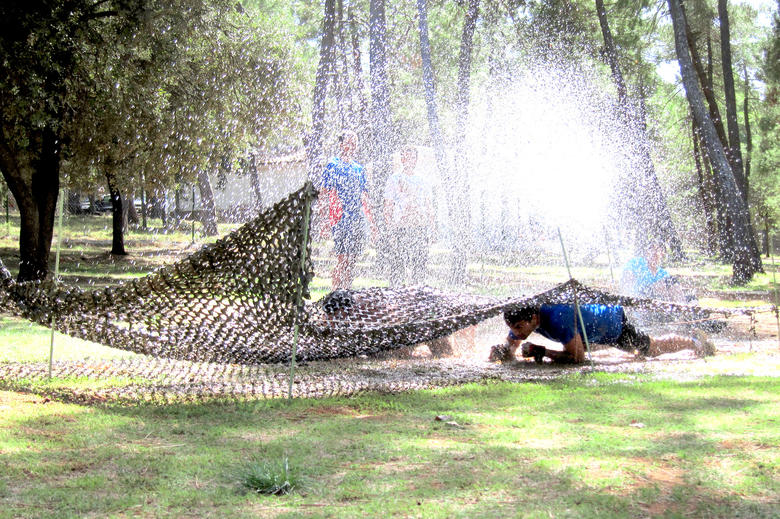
766 234
118 221
254 180
611 54
437 137
357 71
34 184
381 136
208 207
705 193
705 80
144 206
725 238
380 104
315 141
748 133
129 207
746 262
656 217
343 88
430 90
734 146
462 205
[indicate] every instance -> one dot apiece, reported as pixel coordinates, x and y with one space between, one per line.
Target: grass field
595 446
688 444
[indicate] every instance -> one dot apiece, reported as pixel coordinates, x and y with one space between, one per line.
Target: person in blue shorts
344 206
604 324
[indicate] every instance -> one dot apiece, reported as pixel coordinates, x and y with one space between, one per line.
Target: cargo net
226 322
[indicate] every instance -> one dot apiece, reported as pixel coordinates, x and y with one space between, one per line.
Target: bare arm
573 352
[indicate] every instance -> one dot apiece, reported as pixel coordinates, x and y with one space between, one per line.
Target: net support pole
301 282
576 303
609 256
192 215
56 272
777 297
7 212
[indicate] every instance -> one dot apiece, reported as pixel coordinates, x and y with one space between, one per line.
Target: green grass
268 477
584 446
570 448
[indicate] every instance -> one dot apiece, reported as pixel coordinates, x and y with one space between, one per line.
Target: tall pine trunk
746 263
430 90
734 146
314 142
462 204
704 175
381 145
656 217
748 132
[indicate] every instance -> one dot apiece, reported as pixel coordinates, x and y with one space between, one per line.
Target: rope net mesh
220 323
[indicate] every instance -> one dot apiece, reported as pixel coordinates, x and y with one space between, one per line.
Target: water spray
576 304
56 271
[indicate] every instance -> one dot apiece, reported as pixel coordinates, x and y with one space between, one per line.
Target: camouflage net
220 322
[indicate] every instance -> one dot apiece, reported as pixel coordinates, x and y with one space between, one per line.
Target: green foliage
268 477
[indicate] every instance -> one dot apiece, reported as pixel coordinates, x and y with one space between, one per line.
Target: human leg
343 275
418 254
349 237
395 258
634 340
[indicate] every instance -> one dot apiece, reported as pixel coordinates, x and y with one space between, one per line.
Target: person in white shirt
409 217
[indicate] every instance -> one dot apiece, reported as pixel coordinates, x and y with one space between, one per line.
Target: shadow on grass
379 455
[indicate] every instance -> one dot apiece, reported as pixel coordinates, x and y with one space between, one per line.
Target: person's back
560 323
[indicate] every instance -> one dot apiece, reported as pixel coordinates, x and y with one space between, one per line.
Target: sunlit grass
22 341
585 446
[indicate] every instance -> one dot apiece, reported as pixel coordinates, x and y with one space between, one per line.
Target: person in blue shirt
604 324
643 276
344 207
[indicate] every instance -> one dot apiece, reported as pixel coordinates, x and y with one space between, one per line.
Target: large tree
746 262
125 87
654 212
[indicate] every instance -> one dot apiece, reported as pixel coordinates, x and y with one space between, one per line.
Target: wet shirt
644 278
411 199
348 179
603 323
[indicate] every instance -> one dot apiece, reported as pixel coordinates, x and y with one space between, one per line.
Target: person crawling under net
604 324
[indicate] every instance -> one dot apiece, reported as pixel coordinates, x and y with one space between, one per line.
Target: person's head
408 158
339 300
522 321
655 252
348 143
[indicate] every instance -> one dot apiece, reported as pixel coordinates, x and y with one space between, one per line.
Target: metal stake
609 256
576 303
192 213
56 273
301 282
777 296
